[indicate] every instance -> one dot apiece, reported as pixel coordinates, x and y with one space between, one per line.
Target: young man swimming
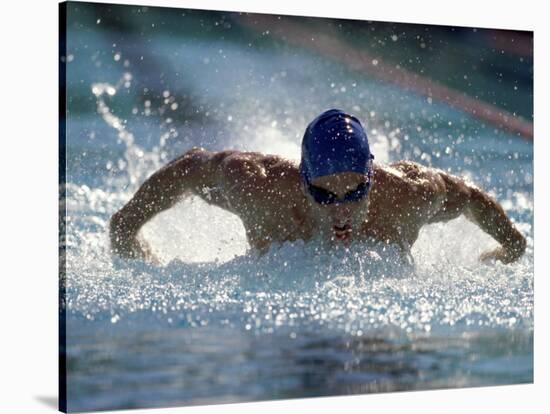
336 193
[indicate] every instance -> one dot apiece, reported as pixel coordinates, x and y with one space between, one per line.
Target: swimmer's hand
506 255
126 243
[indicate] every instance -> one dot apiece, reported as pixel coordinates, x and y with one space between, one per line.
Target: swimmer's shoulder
395 173
216 159
412 171
407 169
265 160
409 176
256 164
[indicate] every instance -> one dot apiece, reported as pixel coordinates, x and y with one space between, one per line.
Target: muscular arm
158 193
490 216
484 211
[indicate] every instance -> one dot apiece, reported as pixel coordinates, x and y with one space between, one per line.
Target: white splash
210 278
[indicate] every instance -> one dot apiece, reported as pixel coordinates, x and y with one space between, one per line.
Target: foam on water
210 278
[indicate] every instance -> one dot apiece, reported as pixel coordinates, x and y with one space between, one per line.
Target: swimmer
337 193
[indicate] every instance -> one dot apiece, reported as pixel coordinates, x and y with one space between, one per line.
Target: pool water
217 323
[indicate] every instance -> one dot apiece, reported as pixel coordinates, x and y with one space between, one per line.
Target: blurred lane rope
330 46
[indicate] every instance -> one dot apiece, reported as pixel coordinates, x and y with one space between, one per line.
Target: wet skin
269 196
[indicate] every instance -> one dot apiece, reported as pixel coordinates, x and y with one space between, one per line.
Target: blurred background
494 66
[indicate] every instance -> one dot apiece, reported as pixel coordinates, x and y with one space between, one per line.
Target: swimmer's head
336 169
334 143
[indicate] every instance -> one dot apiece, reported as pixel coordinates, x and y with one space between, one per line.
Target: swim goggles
323 196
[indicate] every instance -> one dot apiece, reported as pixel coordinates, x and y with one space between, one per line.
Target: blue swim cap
334 142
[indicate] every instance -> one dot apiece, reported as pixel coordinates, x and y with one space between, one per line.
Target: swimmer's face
340 220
